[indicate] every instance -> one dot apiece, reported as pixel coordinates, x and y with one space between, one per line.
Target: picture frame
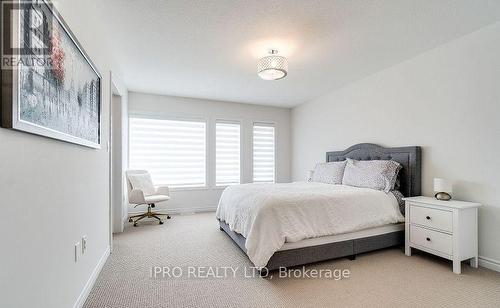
51 87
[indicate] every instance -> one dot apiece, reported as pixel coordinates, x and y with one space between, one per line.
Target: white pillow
329 173
142 182
374 174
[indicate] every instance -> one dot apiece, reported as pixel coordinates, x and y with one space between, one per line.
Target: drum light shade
442 185
443 189
272 67
309 176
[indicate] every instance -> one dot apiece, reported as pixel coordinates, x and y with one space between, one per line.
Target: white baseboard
489 263
90 283
181 211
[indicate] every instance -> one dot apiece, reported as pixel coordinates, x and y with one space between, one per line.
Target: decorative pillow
330 173
401 203
397 184
142 182
375 174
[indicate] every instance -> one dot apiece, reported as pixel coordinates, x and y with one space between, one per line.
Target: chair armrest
136 196
163 190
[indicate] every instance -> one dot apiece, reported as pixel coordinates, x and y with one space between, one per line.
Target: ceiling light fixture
272 67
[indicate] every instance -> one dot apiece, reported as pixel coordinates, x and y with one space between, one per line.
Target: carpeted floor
384 278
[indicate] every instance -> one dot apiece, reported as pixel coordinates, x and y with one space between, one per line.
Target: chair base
148 214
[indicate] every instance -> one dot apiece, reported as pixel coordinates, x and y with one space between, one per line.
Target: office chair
141 190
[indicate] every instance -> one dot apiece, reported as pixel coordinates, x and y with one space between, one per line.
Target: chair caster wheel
263 273
168 217
130 220
135 225
161 222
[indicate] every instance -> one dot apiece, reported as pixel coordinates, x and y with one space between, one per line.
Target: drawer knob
428 239
428 217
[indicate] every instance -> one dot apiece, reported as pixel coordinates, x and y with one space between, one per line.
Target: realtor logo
28 38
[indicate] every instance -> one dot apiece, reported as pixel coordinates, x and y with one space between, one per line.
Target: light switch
77 251
84 244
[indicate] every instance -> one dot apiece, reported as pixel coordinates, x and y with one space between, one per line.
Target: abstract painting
56 89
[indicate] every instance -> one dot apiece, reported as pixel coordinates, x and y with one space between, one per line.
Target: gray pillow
330 173
374 174
401 203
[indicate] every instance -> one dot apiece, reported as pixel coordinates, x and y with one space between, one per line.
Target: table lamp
309 175
443 189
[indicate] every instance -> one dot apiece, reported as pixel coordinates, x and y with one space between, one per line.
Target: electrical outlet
84 244
77 251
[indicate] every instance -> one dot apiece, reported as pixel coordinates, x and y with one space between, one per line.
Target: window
263 153
173 151
227 153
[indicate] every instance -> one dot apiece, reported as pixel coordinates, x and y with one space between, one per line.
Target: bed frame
410 185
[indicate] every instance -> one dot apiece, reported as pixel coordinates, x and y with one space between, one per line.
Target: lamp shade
309 175
442 185
272 67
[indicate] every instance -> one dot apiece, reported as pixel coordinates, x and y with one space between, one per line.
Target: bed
304 250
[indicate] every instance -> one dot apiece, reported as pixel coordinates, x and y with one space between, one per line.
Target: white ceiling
209 49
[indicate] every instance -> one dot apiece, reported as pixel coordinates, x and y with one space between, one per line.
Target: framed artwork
50 87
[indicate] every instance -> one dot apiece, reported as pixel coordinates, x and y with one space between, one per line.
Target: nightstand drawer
437 219
434 240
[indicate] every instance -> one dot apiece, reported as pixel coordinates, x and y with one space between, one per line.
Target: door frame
115 90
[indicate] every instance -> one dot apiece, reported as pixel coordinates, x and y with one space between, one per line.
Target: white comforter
268 215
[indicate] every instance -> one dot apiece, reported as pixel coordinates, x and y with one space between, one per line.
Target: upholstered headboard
409 157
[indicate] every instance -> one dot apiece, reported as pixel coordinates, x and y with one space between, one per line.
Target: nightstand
444 228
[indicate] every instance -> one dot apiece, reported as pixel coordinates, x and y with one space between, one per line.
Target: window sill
174 189
188 188
224 186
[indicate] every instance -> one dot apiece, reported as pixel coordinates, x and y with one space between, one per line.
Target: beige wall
207 199
446 100
52 193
